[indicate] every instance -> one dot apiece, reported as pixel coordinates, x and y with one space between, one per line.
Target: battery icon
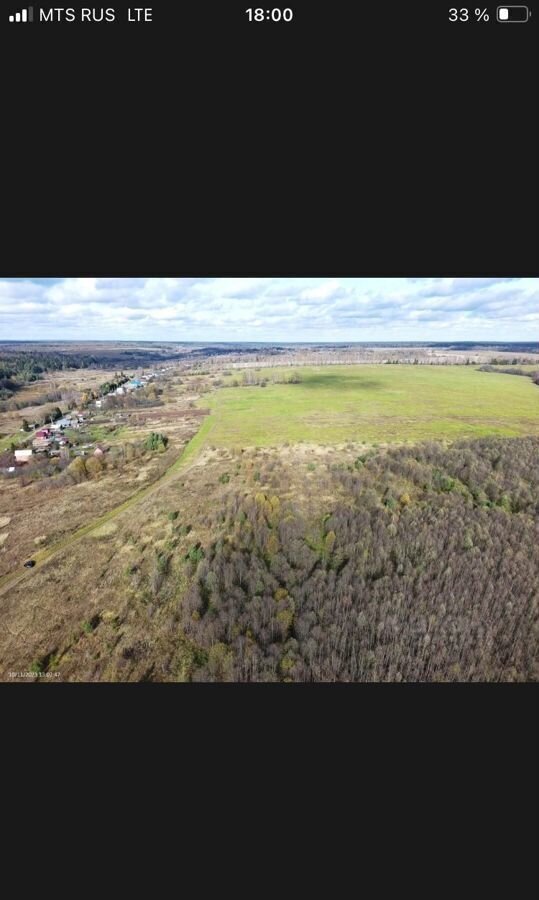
512 13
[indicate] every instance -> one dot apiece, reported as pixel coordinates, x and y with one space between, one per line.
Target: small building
23 456
41 444
42 439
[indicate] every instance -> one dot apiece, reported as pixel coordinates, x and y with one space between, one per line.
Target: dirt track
42 557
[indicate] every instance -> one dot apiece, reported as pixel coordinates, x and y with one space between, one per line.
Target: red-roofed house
42 439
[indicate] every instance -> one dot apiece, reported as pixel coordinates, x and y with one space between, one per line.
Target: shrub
220 662
195 554
77 469
93 466
156 441
159 572
446 483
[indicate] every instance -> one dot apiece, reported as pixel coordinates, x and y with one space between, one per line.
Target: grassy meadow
370 404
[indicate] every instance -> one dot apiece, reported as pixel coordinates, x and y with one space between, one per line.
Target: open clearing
378 403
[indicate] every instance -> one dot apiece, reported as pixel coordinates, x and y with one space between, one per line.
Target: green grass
17 438
98 433
371 403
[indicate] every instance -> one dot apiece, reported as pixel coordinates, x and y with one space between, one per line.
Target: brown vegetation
406 563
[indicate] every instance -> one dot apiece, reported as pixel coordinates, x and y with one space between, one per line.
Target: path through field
41 557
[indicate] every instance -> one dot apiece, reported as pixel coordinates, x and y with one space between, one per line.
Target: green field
9 439
370 404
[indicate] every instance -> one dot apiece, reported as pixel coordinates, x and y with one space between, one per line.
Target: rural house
23 456
42 439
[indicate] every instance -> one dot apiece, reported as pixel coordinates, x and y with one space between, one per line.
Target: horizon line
255 341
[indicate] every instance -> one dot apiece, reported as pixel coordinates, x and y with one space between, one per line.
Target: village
111 433
57 438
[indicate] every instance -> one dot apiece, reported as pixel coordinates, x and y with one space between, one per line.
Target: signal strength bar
25 15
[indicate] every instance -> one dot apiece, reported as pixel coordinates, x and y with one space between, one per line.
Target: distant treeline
511 370
29 366
425 567
252 378
17 369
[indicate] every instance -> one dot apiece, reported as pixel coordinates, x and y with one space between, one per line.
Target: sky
270 309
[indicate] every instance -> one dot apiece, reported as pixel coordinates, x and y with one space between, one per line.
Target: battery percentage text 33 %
467 15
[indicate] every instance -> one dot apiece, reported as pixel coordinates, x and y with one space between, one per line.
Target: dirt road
42 557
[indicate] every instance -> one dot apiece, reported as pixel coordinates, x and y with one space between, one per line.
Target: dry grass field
39 514
96 611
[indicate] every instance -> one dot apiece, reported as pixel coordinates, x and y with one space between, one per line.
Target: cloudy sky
270 309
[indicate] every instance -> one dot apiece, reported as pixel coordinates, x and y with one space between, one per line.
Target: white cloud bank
270 309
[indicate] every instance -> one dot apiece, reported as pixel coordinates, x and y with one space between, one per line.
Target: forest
18 368
424 567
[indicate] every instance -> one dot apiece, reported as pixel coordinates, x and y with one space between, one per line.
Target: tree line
23 367
511 371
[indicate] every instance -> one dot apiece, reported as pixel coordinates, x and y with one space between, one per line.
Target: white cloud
278 309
